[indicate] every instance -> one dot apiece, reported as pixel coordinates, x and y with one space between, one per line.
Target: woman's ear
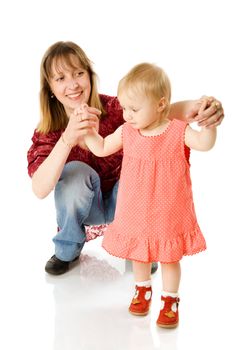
161 104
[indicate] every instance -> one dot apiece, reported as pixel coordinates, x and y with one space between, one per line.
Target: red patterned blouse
108 168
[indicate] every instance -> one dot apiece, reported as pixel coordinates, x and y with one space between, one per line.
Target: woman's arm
200 140
103 147
207 111
47 175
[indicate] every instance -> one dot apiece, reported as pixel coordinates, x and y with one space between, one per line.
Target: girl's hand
207 111
81 121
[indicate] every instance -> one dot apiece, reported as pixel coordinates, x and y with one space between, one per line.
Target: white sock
169 294
144 283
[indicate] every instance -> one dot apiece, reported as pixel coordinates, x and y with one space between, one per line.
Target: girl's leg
141 271
171 274
140 304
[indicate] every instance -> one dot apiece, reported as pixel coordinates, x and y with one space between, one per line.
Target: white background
192 41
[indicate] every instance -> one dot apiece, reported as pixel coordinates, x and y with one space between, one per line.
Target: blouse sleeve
41 147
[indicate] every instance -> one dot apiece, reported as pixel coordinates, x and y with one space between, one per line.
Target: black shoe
55 266
154 267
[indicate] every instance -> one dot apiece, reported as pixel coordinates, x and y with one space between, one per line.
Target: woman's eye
59 78
79 74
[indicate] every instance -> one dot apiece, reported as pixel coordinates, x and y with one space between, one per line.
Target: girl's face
71 86
140 111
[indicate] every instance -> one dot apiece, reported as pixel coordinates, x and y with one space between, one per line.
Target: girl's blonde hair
148 80
53 115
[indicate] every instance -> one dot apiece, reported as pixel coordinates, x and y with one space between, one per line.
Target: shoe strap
168 301
146 289
141 291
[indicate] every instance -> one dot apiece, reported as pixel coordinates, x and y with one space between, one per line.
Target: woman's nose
73 83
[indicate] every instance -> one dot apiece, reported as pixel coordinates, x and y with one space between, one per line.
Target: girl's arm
202 140
103 147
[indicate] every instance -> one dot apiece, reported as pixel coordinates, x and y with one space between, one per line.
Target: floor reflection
91 309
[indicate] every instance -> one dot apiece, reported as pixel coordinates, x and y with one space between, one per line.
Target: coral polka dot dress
155 218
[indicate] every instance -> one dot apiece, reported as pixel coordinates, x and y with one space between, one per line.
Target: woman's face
70 84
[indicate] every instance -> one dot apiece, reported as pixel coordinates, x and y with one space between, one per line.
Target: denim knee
75 190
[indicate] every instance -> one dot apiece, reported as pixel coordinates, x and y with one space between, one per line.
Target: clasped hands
82 120
207 112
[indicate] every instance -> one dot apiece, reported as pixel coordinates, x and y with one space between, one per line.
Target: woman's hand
207 111
81 121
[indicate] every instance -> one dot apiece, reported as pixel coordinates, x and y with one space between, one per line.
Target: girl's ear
161 104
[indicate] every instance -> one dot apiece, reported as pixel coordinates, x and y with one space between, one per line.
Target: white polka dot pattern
155 218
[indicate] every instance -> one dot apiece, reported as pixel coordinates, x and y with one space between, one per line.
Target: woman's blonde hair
53 115
148 80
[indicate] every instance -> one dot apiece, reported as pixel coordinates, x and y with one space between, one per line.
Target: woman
85 186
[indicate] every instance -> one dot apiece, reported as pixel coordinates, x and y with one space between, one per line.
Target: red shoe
140 304
167 317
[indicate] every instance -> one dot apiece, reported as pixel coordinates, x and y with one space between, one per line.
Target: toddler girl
155 218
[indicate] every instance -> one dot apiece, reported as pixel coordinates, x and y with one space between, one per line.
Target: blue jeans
79 201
